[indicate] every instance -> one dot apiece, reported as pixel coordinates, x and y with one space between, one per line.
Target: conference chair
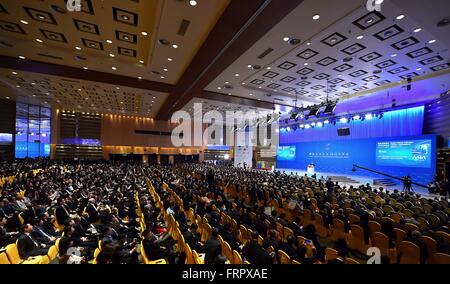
146 260
374 227
189 256
338 231
52 253
431 245
381 241
237 258
444 235
4 258
409 253
283 257
307 217
279 229
400 235
330 254
441 258
14 258
227 251
197 258
287 232
349 260
356 240
295 262
319 224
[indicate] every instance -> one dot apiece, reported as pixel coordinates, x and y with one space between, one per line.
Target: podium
310 169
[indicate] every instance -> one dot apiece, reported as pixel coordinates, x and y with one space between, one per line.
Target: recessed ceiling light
162 77
174 45
243 83
432 41
259 87
140 78
141 61
316 17
286 38
165 69
268 68
417 30
112 55
39 40
193 2
7 98
418 69
125 17
117 88
17 86
306 64
170 59
360 37
394 55
308 43
24 22
236 75
114 68
14 73
22 57
109 41
400 17
144 33
249 66
251 94
227 82
77 48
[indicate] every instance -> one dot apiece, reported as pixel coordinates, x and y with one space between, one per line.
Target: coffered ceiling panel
127 37
347 51
82 95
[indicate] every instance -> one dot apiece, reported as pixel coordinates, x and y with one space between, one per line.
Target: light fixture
112 55
226 83
236 75
360 37
394 55
24 22
193 2
326 122
141 61
109 41
432 41
140 78
7 98
308 43
268 68
400 17
39 40
219 88
77 48
316 17
250 95
14 73
165 69
417 30
418 69
174 45
249 66
286 39
306 64
343 120
144 33
307 126
22 57
357 117
114 68
368 116
170 59
162 77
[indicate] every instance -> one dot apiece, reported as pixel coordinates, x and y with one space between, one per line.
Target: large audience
90 212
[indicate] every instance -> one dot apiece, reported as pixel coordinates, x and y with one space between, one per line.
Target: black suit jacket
26 247
61 215
296 229
212 250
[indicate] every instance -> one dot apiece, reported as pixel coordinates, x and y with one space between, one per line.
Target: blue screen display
404 153
286 153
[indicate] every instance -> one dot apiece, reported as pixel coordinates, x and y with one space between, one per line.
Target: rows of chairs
10 255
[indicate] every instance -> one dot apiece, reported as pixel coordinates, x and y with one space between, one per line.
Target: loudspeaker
344 131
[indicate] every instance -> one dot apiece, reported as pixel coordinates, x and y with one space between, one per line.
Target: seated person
28 246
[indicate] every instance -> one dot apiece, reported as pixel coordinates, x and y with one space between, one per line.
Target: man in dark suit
61 213
289 248
255 253
227 236
192 237
296 228
28 246
40 235
155 250
212 247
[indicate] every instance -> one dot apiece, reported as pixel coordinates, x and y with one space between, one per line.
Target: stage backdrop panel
402 122
398 156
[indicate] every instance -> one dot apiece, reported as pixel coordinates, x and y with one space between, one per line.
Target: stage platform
358 180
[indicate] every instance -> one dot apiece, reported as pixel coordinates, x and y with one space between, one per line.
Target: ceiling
80 95
349 51
227 54
136 38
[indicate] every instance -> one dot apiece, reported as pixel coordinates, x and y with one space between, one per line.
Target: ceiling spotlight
368 116
170 59
400 17
109 41
22 57
162 77
236 75
77 48
418 69
316 17
125 17
394 55
144 33
219 88
432 41
250 95
174 46
112 55
114 68
360 37
14 73
343 120
308 43
165 69
7 98
306 64
417 30
39 40
286 39
141 61
140 78
193 2
268 68
24 22
249 66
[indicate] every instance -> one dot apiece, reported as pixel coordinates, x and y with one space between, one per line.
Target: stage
358 180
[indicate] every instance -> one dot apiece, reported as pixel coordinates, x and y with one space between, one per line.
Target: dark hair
215 232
